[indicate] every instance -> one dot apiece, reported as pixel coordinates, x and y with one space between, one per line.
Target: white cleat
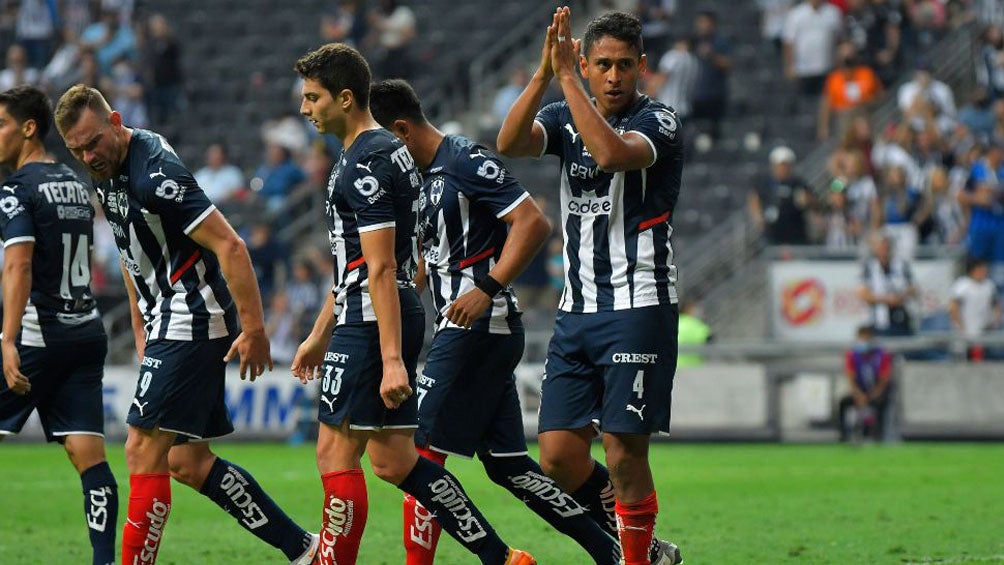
668 554
307 557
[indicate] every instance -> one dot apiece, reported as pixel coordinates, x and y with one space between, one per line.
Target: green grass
724 504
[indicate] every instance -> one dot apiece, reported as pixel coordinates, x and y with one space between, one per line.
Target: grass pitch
724 504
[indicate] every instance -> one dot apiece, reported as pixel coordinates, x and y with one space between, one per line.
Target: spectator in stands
62 70
925 98
674 81
896 149
850 86
36 30
975 308
947 226
110 38
305 295
887 287
810 36
276 178
857 200
779 205
346 24
656 22
711 93
507 94
903 209
162 57
928 20
124 89
395 27
89 73
875 27
930 150
222 181
268 255
990 61
984 198
281 329
692 331
857 138
17 72
869 371
772 16
978 115
556 266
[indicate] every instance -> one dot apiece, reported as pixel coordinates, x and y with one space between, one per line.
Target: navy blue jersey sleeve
485 180
170 191
370 193
16 222
549 118
661 129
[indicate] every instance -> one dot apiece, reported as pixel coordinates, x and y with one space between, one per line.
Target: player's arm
421 283
955 313
528 230
860 398
310 354
135 316
378 249
16 288
884 377
520 135
611 151
215 234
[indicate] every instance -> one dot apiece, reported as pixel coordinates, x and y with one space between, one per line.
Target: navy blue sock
523 477
440 493
234 490
101 508
596 495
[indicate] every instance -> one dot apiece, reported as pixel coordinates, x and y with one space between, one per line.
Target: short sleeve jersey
465 193
374 186
152 204
616 225
46 204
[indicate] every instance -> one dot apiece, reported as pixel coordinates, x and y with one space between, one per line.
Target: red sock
149 507
421 530
635 527
344 516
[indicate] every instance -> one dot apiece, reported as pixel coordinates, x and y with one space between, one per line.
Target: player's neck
32 152
428 141
355 125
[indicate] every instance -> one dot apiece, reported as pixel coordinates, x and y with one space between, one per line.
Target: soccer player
53 341
467 395
368 364
613 354
195 305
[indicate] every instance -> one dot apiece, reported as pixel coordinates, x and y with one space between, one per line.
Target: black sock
234 490
440 493
596 495
523 477
101 508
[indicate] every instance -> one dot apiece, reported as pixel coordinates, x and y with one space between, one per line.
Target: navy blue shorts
65 388
467 400
614 368
180 389
353 369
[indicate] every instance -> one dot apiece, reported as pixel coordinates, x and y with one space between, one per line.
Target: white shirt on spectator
397 28
220 184
8 79
976 300
678 90
937 93
813 36
886 155
774 14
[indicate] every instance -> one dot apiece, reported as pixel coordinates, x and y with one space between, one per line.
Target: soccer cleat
307 557
519 557
666 554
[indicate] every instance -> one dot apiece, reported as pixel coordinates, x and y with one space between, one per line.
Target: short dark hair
866 330
395 99
972 263
338 67
29 103
74 101
618 25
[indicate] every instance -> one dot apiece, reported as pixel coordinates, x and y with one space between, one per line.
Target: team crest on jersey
436 191
117 203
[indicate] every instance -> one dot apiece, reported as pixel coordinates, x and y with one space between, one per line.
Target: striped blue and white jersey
45 203
374 186
152 204
465 192
616 226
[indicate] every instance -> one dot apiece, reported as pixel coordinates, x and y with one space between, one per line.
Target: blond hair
73 102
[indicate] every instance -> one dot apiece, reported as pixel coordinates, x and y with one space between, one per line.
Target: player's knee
394 472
